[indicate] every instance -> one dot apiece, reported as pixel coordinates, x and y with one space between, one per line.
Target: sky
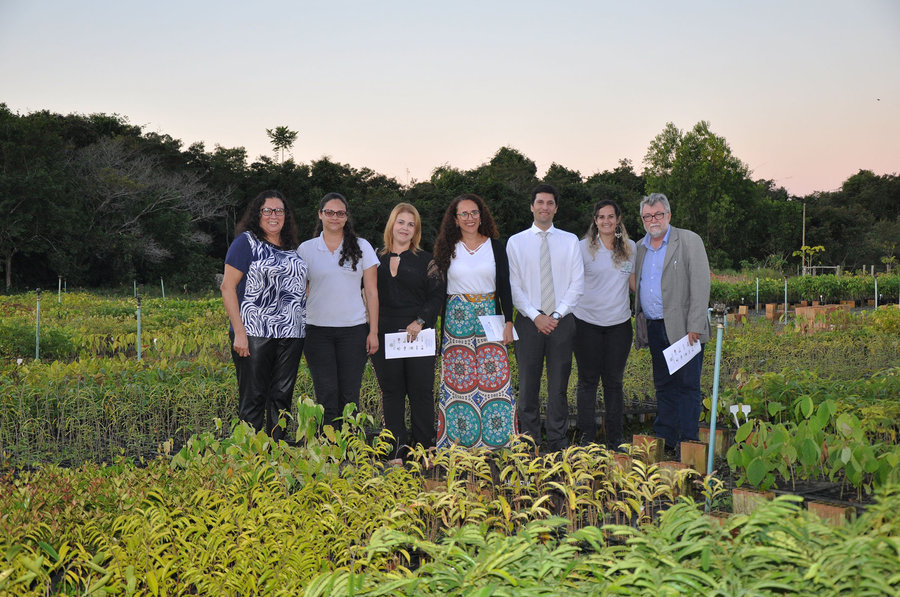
806 92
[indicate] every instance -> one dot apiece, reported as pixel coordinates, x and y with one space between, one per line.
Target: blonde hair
401 208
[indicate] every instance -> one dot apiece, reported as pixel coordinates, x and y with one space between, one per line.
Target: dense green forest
100 202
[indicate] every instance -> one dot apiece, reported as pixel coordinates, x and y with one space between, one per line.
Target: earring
618 231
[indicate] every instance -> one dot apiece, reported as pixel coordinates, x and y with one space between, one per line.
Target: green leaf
743 431
806 406
48 549
757 471
846 454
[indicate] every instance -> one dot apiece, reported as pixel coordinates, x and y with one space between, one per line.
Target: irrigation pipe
718 312
37 328
139 327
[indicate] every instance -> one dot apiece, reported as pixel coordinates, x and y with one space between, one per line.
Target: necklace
475 250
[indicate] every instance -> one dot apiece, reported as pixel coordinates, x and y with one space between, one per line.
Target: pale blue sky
794 86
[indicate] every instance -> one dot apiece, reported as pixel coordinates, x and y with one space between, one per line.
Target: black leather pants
266 380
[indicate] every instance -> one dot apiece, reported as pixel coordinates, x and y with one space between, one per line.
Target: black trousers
601 353
532 348
337 358
399 379
266 380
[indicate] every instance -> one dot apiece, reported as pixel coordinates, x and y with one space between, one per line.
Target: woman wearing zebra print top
264 291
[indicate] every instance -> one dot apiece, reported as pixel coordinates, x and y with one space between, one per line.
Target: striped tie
548 297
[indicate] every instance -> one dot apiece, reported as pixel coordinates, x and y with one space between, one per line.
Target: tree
33 199
709 188
139 214
282 138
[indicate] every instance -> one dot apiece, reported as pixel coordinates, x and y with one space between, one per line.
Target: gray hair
652 199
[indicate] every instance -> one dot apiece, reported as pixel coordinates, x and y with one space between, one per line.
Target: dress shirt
524 252
651 277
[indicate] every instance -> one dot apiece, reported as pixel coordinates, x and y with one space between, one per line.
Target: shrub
17 341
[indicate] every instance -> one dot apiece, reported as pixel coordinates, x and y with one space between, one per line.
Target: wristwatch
555 315
420 321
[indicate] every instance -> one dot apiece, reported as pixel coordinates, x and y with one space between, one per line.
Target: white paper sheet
493 327
397 347
678 354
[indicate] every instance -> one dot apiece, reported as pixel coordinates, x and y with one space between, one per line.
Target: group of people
551 296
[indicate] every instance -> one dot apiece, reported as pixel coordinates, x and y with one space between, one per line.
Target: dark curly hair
288 239
450 234
621 249
350 249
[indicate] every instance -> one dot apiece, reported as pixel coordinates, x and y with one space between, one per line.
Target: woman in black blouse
410 297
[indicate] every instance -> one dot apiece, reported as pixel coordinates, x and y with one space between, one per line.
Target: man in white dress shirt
547 278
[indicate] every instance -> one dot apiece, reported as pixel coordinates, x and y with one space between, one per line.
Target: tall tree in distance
710 188
282 138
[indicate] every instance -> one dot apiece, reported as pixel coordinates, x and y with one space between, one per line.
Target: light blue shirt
651 277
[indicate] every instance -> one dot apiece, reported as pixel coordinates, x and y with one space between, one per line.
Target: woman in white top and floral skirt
476 405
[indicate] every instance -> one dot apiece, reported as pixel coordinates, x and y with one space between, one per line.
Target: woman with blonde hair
410 296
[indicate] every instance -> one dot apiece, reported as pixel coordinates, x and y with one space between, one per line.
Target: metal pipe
876 291
719 312
37 328
139 327
785 300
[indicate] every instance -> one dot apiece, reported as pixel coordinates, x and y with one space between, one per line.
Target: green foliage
233 512
777 550
817 439
830 288
17 340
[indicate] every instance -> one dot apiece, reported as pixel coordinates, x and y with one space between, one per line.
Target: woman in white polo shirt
603 322
338 338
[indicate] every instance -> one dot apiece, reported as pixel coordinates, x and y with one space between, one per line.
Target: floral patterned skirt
476 406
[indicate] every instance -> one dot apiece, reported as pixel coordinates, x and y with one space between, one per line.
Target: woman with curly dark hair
476 403
603 322
338 337
264 291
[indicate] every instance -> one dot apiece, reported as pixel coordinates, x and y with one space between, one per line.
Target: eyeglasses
332 213
465 215
657 216
272 211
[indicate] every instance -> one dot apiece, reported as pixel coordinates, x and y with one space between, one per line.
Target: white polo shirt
605 300
335 291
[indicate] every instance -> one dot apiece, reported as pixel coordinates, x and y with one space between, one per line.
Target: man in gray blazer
671 299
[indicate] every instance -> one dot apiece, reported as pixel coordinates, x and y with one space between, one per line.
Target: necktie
548 297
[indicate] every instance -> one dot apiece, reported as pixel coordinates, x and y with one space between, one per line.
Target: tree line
100 202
